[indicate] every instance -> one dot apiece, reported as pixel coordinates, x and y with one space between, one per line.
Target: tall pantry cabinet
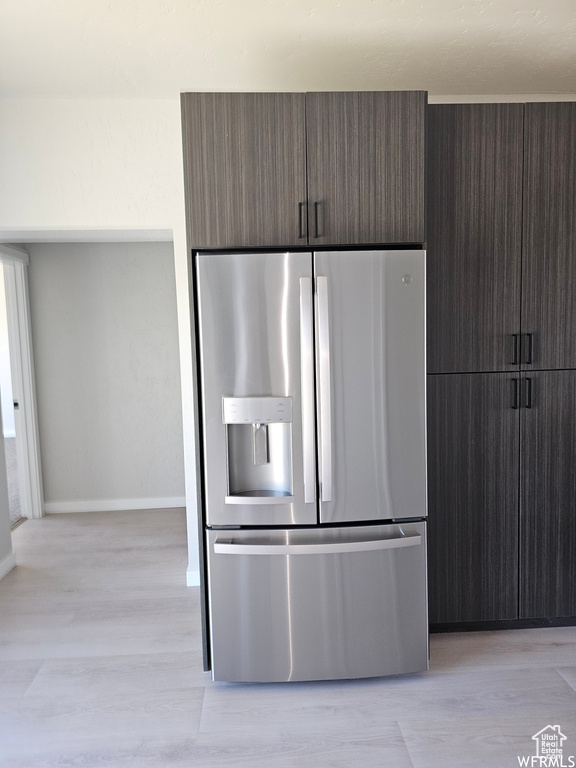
501 360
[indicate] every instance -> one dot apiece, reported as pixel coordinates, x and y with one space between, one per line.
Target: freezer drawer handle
335 547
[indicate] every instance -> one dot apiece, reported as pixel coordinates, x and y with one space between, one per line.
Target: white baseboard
6 564
113 505
192 578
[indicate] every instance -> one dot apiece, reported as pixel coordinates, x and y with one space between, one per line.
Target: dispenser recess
259 449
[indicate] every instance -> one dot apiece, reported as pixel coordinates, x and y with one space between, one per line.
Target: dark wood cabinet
294 169
473 462
501 477
392 140
502 496
366 167
502 202
548 495
245 169
549 251
474 236
333 160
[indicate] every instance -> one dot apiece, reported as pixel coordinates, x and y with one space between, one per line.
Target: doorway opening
9 406
17 389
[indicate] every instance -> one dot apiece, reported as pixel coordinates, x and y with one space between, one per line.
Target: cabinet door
473 497
474 236
245 169
549 266
333 167
366 167
392 166
548 496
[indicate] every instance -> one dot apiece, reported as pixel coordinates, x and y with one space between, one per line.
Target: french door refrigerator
312 393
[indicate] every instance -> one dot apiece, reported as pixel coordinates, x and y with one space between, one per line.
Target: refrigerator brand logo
549 751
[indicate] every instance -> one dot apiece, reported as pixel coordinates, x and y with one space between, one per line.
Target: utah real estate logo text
549 750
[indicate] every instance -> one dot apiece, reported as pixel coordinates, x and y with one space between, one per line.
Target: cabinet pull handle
316 206
515 394
528 393
300 220
515 340
530 353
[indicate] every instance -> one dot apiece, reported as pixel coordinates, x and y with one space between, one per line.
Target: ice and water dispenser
259 449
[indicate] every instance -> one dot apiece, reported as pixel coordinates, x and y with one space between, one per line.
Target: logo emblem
549 750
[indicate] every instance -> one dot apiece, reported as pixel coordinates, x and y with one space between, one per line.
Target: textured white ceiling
157 48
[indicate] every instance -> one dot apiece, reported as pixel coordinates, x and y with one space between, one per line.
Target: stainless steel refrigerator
312 394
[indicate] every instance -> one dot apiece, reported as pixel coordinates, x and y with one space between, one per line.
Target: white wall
5 372
90 163
103 164
105 336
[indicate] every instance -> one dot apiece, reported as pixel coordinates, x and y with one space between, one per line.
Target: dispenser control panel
256 410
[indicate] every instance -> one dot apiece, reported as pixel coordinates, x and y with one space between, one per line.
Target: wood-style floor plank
482 741
358 704
548 647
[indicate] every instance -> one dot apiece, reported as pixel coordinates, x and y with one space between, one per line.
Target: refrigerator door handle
307 389
324 389
333 547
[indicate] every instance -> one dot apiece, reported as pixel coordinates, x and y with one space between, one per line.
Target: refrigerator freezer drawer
317 604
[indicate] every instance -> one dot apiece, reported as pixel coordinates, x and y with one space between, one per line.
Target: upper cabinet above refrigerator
249 158
365 167
245 169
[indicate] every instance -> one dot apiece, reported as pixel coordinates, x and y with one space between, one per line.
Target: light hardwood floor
100 667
